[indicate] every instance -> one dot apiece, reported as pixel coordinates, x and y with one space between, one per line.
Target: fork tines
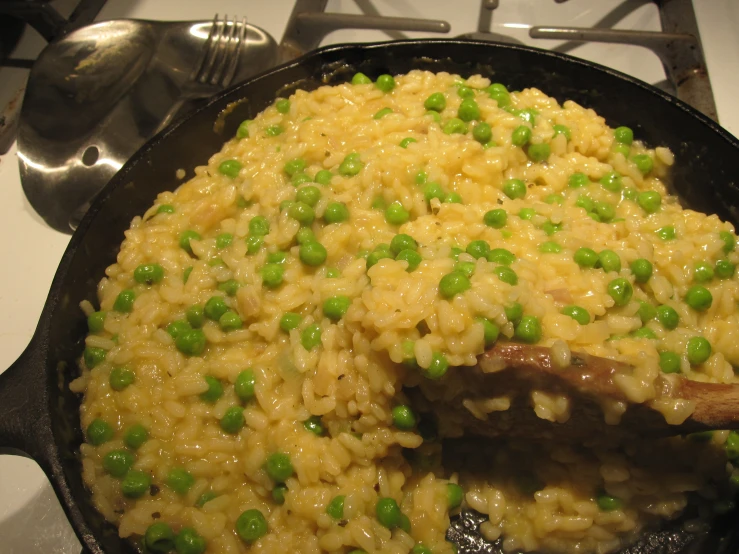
220 57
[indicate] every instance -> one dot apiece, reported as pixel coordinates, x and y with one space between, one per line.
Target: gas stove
31 520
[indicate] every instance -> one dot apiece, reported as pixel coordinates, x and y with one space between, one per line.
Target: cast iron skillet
39 416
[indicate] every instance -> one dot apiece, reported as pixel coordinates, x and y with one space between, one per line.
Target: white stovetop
31 520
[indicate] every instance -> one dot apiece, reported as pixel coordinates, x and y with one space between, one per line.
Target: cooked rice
537 496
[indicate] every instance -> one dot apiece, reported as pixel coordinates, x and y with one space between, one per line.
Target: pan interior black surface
705 176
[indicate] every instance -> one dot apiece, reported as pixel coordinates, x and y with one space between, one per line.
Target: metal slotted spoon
95 96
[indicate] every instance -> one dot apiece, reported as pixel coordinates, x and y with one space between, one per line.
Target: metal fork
216 65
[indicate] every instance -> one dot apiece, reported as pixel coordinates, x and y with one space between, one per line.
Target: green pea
233 420
539 152
620 290
521 135
437 368
135 484
514 188
332 273
729 241
401 242
253 244
301 212
385 83
562 130
666 233
251 526
411 256
294 166
577 313
609 261
245 384
243 130
396 214
585 203
496 218
506 274
188 541
304 235
166 209
299 179
309 195
361 79
611 182
703 272
501 96
323 177
668 317
699 350
406 141
454 126
93 356
466 268
179 480
608 503
649 201
646 312
454 496
468 110
335 508
644 333
528 330
185 239
643 162
550 228
159 538
229 287
274 130
578 180
463 91
99 432
279 467
403 417
96 321
230 321
230 168
377 255
311 336
478 249
630 194
135 436
214 392
312 253
124 301
382 113
436 102
605 211
336 212
278 493
336 307
699 298
420 548
191 342
490 331
282 105
314 425
148 274
118 462
454 253
669 362
514 312
272 275
121 378
732 447
433 190
215 307
528 115
527 213
217 262
624 135
642 270
550 247
586 257
482 133
725 269
388 512
290 321
453 283
176 328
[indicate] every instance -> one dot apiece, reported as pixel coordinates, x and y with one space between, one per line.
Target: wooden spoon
514 371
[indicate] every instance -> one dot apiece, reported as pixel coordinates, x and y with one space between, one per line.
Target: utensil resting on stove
95 96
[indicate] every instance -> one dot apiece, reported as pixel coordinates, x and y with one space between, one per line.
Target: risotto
251 377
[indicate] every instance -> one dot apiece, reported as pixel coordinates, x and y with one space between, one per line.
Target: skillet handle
24 419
